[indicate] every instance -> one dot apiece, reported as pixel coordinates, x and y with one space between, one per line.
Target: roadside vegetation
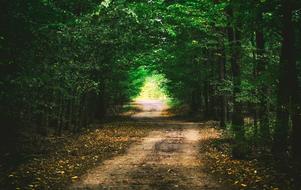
68 64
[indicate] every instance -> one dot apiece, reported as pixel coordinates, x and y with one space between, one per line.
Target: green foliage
153 89
65 63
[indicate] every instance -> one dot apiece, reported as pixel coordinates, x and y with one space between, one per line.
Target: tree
288 99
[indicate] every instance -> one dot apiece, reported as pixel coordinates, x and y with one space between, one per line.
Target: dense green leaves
66 63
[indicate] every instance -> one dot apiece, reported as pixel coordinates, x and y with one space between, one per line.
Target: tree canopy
65 63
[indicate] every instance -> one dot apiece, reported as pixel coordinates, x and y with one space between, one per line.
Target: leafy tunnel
66 63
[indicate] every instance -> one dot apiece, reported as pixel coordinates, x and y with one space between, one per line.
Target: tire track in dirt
114 172
165 159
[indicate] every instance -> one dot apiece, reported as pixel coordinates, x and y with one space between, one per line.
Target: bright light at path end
153 89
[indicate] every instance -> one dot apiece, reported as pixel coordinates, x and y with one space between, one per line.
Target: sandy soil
168 158
149 109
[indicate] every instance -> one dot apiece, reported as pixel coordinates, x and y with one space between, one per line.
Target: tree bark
237 118
222 77
239 149
288 89
261 68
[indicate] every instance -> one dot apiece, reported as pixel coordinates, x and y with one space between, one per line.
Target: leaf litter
257 172
67 160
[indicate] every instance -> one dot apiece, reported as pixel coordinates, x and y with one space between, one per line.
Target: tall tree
288 102
263 88
234 36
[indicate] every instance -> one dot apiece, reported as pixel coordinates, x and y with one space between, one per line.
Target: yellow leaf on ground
74 177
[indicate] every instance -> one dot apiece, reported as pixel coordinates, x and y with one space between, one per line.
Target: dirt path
149 109
165 159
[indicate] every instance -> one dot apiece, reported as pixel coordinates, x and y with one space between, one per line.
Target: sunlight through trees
65 64
153 89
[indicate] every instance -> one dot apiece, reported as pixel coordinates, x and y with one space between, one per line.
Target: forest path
167 158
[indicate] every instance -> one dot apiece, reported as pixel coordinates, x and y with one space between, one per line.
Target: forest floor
148 150
167 158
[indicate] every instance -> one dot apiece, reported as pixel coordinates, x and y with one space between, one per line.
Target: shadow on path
166 159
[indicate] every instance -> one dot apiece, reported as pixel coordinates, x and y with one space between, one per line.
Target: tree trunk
296 96
239 149
60 115
237 118
206 100
288 98
260 69
237 108
222 76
